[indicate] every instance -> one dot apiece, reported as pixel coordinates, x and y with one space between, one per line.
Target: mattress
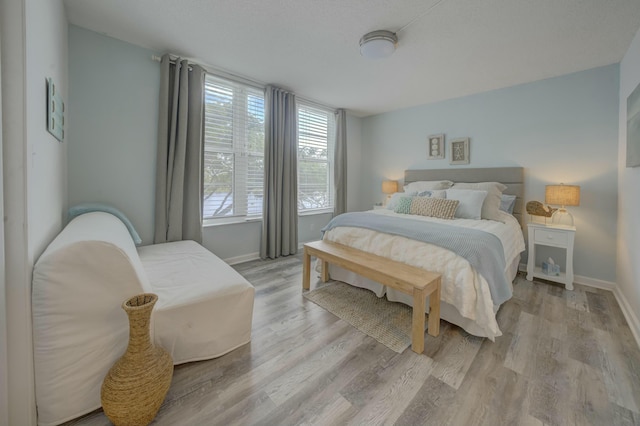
204 307
466 298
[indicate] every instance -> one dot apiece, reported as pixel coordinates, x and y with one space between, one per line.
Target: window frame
330 161
239 151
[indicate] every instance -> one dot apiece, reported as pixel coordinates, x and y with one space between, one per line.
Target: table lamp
389 187
562 195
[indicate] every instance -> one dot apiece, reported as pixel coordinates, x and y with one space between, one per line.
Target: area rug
387 322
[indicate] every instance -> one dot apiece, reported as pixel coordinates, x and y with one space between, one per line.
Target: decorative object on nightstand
536 208
551 236
563 195
389 187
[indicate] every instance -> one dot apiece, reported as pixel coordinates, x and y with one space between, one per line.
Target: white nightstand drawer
550 237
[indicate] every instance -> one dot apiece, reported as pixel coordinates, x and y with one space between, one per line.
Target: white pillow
491 205
433 193
395 198
427 185
471 201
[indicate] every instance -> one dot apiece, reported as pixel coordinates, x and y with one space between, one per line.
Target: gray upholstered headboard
513 177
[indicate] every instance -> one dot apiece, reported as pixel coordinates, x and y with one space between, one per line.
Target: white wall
34 47
563 129
112 145
628 265
4 366
46 39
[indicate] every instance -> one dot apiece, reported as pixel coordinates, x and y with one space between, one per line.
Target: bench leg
306 270
417 332
434 311
325 271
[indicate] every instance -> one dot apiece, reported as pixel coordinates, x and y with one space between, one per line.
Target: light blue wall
562 129
112 142
113 111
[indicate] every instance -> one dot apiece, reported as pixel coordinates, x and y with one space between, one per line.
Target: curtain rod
240 79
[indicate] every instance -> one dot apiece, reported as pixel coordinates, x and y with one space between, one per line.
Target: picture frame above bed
459 151
435 147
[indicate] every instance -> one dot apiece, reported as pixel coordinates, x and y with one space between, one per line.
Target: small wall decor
55 111
459 151
633 128
435 147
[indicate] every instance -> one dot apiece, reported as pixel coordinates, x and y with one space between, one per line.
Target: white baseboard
632 319
248 257
594 282
243 258
582 280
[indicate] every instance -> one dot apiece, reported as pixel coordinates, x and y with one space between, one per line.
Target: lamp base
562 217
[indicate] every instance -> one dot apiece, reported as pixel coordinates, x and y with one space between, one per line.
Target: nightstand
552 236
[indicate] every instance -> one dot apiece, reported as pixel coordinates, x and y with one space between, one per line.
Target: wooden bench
405 278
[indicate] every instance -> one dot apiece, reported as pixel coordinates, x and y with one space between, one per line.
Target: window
316 140
233 150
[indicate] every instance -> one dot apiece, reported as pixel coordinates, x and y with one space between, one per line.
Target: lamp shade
389 186
563 195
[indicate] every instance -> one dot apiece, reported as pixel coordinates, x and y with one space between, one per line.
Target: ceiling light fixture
378 44
382 43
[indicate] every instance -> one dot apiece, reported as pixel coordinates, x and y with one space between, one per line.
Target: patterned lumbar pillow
404 205
435 193
434 207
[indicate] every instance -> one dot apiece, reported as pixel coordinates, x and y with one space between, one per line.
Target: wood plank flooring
565 358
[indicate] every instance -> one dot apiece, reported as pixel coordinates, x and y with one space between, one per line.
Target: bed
469 299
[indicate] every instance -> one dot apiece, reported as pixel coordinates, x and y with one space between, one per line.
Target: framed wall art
633 128
459 151
55 111
435 147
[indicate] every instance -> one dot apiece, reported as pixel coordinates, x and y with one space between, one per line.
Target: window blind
316 141
233 149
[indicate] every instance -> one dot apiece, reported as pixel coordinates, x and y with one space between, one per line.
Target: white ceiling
311 47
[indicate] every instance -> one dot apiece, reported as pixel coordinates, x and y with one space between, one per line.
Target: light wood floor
566 358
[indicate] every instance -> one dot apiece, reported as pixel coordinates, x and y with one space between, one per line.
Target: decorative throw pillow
435 193
471 201
434 207
426 185
491 205
404 205
393 201
507 203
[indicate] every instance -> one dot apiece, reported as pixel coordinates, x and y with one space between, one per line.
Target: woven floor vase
134 388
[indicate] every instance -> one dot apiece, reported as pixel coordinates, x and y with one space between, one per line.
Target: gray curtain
280 206
178 205
340 163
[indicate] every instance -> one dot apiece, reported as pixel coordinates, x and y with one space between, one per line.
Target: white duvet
462 287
